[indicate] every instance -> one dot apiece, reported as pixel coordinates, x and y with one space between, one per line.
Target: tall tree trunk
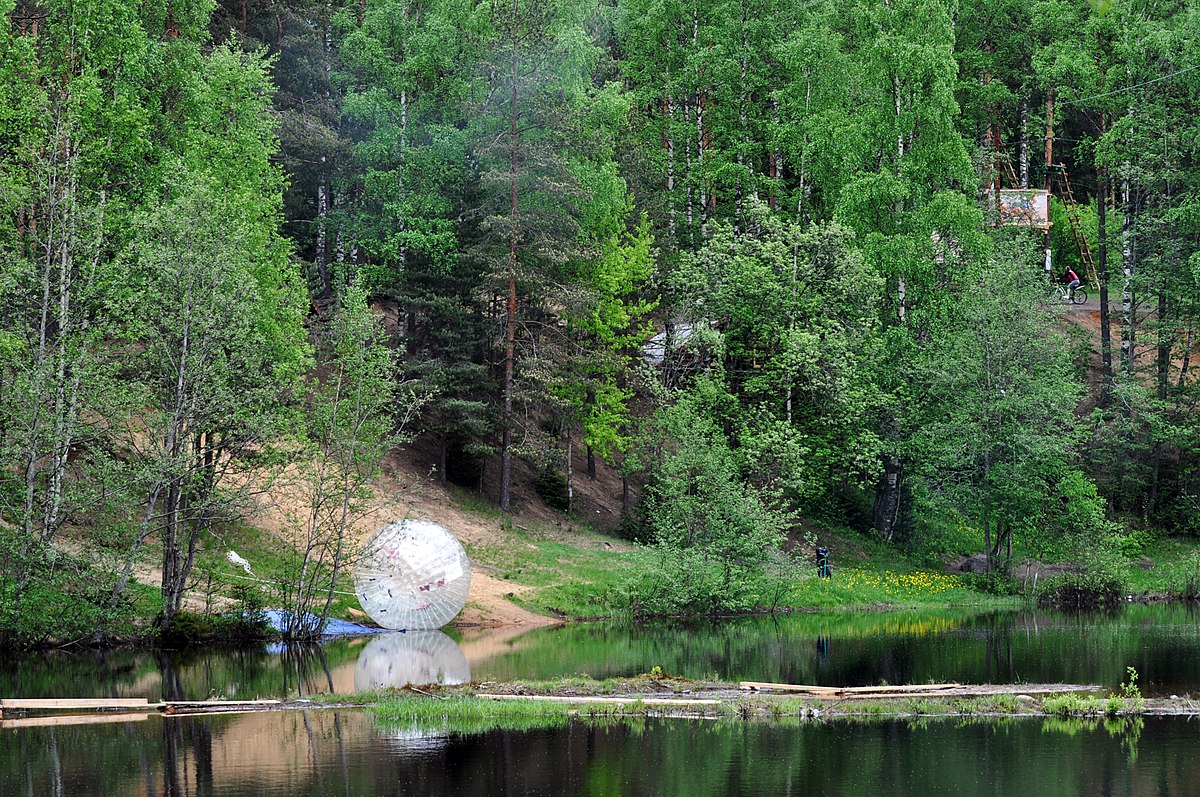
570 470
1102 277
510 306
1128 268
689 177
1024 152
1048 265
775 162
1161 374
668 140
887 492
321 258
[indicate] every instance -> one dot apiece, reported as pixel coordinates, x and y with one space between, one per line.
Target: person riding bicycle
1072 280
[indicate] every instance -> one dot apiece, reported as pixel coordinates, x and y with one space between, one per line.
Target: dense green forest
743 252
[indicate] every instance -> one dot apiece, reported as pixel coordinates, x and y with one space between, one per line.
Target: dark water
351 754
1161 642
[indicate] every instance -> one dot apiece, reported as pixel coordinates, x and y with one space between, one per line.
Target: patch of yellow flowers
900 585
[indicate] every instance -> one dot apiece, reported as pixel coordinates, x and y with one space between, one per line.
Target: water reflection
350 754
851 649
414 657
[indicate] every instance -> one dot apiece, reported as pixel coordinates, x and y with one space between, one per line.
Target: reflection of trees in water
187 769
343 754
305 669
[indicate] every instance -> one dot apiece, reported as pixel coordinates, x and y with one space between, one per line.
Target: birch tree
355 415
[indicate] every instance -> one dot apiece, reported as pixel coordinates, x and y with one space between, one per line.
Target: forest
743 253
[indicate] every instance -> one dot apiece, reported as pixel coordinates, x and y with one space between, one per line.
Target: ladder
1085 249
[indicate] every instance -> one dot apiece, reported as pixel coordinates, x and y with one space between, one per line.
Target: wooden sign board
1025 207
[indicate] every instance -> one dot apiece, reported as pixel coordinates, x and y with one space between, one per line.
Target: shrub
551 486
1185 579
189 628
1101 579
1073 705
62 597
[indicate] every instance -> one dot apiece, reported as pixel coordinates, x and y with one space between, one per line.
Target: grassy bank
470 708
586 575
568 570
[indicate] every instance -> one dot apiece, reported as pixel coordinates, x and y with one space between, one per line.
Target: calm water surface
1162 642
353 755
350 753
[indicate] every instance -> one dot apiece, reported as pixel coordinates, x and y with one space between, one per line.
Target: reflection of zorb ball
413 574
417 657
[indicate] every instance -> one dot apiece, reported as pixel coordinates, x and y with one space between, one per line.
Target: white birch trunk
669 142
1024 150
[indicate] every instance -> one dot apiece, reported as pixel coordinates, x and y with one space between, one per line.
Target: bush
1184 579
685 581
1101 581
551 486
63 597
1073 705
189 628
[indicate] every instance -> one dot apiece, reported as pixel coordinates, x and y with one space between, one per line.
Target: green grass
1074 705
459 709
584 580
1174 570
870 586
467 714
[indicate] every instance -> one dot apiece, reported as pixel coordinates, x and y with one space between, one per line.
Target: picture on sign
1024 207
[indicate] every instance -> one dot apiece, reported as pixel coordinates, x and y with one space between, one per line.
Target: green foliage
1185 578
1131 698
997 452
65 598
189 628
1074 705
551 486
712 530
1101 578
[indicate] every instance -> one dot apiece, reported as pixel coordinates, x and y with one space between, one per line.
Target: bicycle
1078 296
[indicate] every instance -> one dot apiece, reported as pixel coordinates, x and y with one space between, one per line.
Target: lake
351 753
835 649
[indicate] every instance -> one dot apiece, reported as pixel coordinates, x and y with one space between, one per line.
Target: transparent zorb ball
413 574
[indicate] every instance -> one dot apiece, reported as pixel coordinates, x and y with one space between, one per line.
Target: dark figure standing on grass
823 568
1072 280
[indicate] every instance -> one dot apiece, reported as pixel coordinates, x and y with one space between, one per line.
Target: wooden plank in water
899 695
71 703
615 701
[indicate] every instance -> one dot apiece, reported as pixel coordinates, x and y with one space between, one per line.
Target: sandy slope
403 493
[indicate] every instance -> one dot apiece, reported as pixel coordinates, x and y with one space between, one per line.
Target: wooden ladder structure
1081 241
